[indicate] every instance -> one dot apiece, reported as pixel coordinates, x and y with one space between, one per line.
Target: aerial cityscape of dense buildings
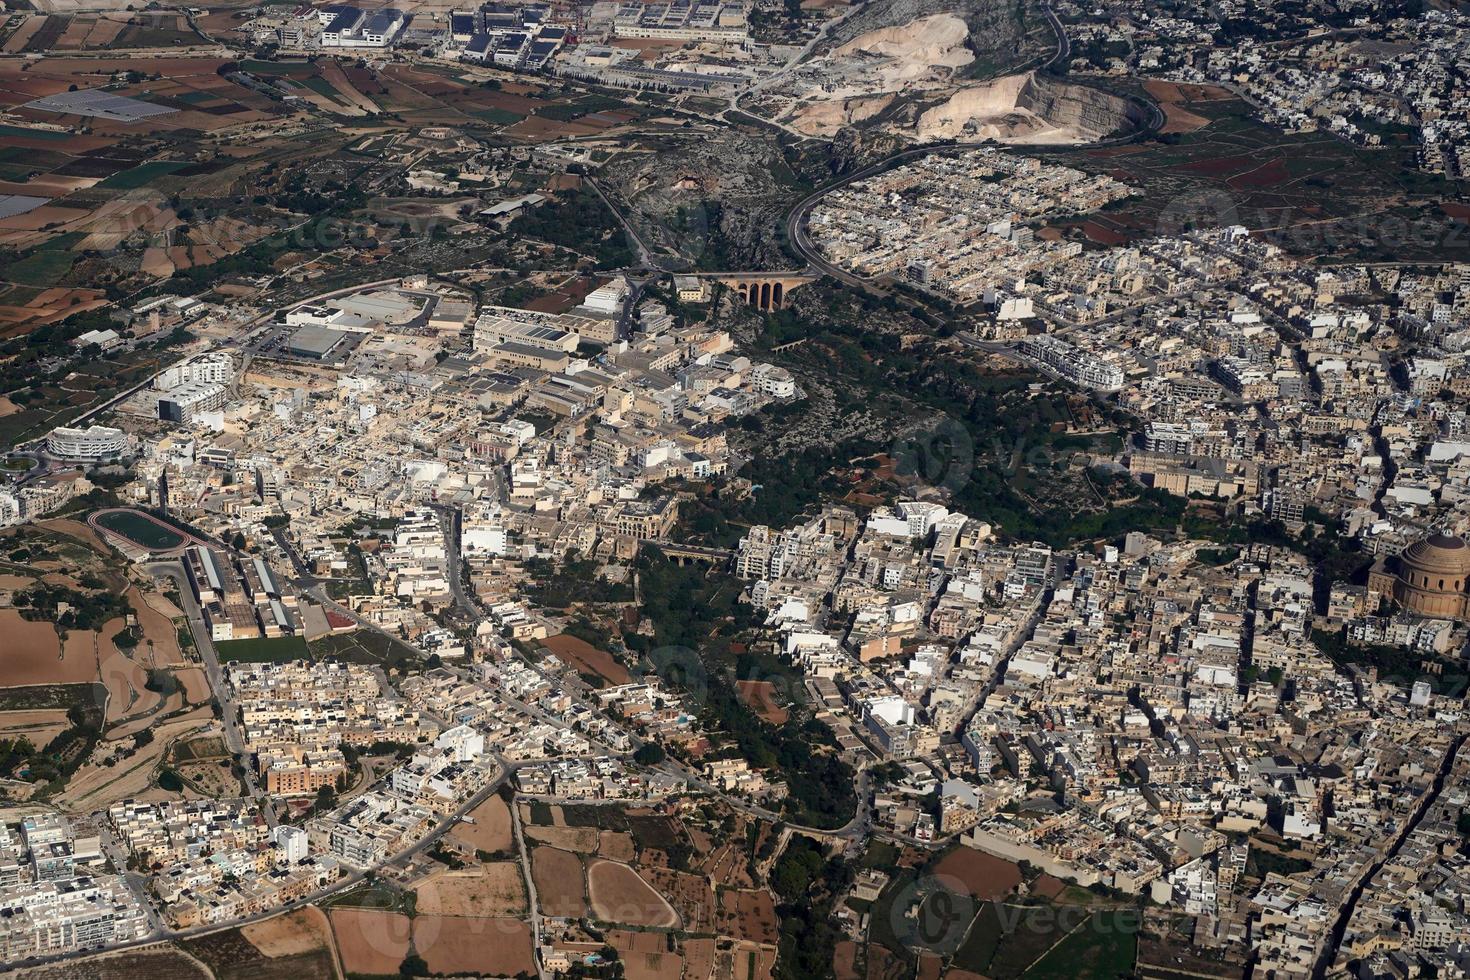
734 491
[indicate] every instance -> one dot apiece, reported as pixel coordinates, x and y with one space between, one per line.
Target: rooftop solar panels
103 105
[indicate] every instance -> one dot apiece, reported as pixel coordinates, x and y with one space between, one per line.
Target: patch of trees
579 221
573 581
694 610
82 610
806 884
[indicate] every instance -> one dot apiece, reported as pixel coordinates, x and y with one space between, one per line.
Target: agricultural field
586 658
749 914
294 946
213 184
580 840
105 31
1310 193
491 831
162 962
646 956
1009 941
691 896
984 876
620 896
80 685
479 945
294 933
560 887
363 647
371 942
495 889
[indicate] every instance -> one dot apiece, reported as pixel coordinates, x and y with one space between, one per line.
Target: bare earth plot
301 931
558 878
371 941
582 840
645 955
491 890
491 829
620 895
484 946
33 655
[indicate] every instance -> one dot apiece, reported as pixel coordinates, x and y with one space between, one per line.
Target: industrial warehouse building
316 343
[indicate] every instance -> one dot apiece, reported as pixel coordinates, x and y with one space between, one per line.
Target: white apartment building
291 843
51 917
213 368
96 442
183 403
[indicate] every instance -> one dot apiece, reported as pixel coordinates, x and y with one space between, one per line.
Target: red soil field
689 894
1268 174
645 955
585 657
1219 166
619 895
558 878
759 697
371 941
985 876
1104 236
699 958
483 946
1180 120
750 914
33 654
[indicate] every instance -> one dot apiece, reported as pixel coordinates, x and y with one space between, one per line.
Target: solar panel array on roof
344 21
540 52
381 21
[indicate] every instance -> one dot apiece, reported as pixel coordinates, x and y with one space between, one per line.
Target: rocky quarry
912 80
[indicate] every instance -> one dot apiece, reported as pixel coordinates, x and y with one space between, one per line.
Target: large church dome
1433 574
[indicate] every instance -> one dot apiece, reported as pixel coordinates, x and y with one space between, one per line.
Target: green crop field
41 268
143 175
275 67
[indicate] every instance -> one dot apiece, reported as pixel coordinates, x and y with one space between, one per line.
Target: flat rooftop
310 341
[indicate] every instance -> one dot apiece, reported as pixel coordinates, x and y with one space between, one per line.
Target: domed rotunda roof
1438 554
